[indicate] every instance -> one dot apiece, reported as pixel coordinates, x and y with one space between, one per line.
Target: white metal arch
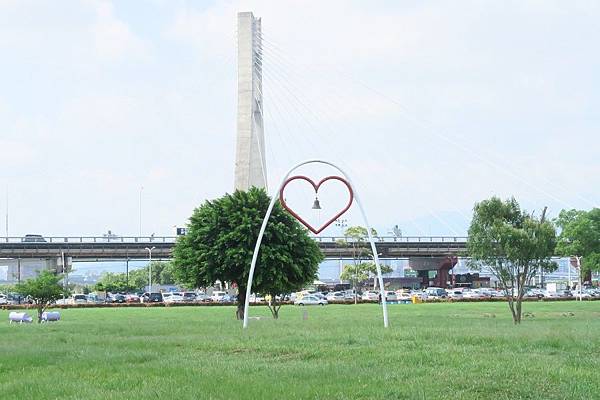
266 220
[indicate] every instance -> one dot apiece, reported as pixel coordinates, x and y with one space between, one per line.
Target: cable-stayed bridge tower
250 162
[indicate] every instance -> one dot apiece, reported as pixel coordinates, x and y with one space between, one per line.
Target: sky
429 106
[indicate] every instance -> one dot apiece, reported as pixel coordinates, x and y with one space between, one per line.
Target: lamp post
150 268
141 188
374 276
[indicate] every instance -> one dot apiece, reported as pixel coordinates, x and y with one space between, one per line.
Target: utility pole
141 188
66 278
6 213
150 268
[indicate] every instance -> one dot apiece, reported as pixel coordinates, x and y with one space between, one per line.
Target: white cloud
113 40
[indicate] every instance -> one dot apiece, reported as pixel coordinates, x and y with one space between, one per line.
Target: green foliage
359 233
580 236
113 282
360 272
162 273
220 241
43 290
513 244
358 236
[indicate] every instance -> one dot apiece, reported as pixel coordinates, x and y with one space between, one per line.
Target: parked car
173 297
534 293
78 299
470 294
217 296
319 295
592 292
390 296
227 298
118 298
310 300
254 298
564 293
335 296
351 296
154 297
132 298
95 298
403 295
485 292
201 296
455 294
436 293
550 295
3 298
189 297
581 294
370 295
18 298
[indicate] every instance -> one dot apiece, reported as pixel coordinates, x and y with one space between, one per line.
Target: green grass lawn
430 351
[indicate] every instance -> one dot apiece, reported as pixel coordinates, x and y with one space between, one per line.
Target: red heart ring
316 187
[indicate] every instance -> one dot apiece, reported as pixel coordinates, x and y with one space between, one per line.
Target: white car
391 296
173 297
3 299
310 300
217 296
403 295
583 295
471 294
351 296
256 299
336 296
370 295
455 294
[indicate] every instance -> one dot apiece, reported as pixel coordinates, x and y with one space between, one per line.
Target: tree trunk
241 302
40 310
517 318
511 305
273 307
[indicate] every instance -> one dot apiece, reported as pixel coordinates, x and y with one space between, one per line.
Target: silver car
310 300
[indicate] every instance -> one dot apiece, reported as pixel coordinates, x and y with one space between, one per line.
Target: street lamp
150 268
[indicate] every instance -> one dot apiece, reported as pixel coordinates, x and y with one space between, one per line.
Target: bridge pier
440 265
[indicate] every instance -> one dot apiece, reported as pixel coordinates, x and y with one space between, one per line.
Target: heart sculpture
316 186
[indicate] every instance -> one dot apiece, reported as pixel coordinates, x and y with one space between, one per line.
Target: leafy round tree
580 236
220 240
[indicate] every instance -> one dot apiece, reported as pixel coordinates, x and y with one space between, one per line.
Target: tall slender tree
513 244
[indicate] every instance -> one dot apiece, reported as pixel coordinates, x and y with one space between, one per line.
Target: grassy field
431 351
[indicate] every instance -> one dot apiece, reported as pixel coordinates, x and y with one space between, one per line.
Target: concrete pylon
250 162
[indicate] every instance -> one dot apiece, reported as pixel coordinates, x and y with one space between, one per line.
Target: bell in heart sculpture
316 204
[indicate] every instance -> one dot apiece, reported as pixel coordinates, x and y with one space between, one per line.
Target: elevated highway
82 248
